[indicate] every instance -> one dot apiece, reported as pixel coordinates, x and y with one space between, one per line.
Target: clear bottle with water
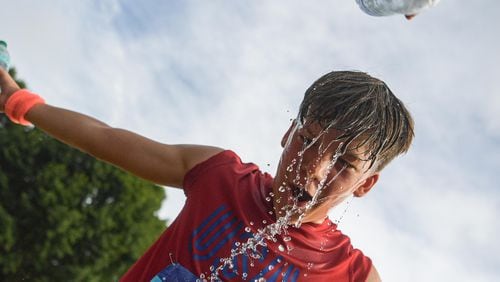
4 56
381 8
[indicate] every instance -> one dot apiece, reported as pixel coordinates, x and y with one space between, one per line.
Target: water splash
250 247
271 231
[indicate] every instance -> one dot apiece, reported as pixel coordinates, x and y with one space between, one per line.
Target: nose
318 171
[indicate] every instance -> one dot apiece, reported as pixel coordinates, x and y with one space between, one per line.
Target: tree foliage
65 216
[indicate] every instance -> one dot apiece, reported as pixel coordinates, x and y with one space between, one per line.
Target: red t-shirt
224 197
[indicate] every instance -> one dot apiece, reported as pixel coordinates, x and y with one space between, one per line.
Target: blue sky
232 73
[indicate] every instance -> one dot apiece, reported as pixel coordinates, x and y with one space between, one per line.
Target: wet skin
297 181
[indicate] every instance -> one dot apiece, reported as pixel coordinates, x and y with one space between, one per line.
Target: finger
409 17
4 77
7 83
7 87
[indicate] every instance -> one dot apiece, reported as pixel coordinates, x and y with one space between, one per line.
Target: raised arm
160 163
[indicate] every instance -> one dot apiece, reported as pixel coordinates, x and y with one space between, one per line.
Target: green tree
65 216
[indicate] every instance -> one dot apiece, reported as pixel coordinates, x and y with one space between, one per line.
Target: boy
239 223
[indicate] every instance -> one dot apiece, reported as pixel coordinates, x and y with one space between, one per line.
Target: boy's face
307 165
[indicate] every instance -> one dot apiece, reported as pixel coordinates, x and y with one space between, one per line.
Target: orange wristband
19 104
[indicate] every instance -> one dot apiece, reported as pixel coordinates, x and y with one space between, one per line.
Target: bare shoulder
373 275
195 154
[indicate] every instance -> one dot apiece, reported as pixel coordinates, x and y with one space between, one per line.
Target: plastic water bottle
4 56
381 8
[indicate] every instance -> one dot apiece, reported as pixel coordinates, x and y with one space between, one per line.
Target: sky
231 73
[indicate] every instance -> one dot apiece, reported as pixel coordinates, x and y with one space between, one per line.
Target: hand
8 86
409 17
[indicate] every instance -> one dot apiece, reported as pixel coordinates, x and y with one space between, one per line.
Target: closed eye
305 140
345 163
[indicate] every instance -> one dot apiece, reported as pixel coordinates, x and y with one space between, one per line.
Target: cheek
339 187
291 152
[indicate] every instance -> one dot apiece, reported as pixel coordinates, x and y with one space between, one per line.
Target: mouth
301 195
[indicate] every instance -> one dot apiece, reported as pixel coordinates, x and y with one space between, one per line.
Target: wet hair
364 109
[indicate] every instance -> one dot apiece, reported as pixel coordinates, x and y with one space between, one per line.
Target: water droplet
251 223
271 267
248 229
287 238
264 221
268 199
237 243
281 189
270 212
281 248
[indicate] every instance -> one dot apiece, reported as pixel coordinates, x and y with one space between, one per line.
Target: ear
287 134
366 185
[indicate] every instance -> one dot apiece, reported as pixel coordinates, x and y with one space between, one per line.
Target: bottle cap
3 43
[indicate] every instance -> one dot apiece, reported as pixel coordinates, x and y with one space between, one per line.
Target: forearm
72 128
127 150
77 130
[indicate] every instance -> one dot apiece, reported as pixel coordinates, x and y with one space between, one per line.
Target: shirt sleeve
219 159
360 266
